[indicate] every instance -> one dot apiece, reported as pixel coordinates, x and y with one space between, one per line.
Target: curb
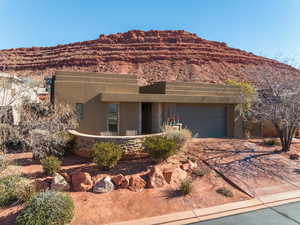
228 209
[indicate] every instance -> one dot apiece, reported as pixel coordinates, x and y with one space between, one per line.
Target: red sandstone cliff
152 55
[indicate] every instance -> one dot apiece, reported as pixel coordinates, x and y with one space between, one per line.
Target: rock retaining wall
129 144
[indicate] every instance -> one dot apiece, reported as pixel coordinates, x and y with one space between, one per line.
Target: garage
204 121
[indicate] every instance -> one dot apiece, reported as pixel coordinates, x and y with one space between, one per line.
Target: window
79 110
112 119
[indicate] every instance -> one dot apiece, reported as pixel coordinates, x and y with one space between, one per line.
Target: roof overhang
113 97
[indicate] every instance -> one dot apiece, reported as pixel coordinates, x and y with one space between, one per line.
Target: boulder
193 165
120 181
294 156
136 183
155 178
66 176
190 165
104 185
167 173
177 176
81 181
42 184
59 183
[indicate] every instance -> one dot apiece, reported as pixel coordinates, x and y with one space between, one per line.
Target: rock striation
152 55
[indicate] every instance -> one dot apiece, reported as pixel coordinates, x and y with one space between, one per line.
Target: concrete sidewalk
236 211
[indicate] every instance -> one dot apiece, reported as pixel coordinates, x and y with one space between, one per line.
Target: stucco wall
129 117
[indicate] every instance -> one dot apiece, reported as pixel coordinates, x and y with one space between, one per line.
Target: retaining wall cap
76 133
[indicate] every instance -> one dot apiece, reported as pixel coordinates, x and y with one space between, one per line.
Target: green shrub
14 188
160 147
106 154
271 142
49 207
51 165
185 186
200 172
224 191
180 136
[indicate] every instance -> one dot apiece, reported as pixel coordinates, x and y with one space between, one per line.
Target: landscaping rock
120 181
59 183
117 180
294 156
193 165
42 184
155 178
185 166
66 176
81 181
177 176
136 183
167 173
103 186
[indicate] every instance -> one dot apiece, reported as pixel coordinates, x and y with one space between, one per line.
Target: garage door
203 121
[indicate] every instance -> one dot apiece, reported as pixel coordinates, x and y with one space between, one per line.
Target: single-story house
114 104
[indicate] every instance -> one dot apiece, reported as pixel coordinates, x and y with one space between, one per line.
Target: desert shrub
185 186
49 207
224 191
51 165
160 147
3 162
106 154
14 188
271 142
200 172
180 136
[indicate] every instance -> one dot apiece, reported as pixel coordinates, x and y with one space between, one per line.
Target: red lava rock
294 156
136 183
155 178
81 181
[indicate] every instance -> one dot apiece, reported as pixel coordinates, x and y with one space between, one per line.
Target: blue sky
265 27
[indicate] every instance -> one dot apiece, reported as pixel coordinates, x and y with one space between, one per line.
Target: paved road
288 214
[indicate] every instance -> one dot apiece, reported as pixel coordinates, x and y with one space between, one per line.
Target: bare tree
278 101
45 128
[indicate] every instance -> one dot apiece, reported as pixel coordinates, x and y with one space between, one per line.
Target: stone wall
129 144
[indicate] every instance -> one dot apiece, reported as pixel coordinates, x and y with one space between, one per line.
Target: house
13 92
114 104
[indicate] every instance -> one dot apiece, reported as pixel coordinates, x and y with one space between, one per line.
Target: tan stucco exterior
95 91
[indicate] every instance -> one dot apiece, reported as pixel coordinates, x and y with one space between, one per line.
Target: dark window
112 121
79 110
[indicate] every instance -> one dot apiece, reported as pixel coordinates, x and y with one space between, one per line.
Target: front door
146 118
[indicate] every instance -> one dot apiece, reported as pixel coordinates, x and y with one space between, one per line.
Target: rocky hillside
152 55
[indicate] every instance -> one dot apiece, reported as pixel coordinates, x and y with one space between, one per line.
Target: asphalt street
288 214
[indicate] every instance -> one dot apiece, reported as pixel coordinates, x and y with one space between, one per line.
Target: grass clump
14 189
160 147
271 142
185 186
225 192
106 154
49 207
179 136
51 165
200 172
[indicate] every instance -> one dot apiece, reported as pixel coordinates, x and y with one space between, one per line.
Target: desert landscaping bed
126 203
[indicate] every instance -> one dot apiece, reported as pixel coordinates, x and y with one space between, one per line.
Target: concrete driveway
287 214
256 169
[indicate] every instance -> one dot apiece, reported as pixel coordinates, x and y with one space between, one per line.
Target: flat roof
113 97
